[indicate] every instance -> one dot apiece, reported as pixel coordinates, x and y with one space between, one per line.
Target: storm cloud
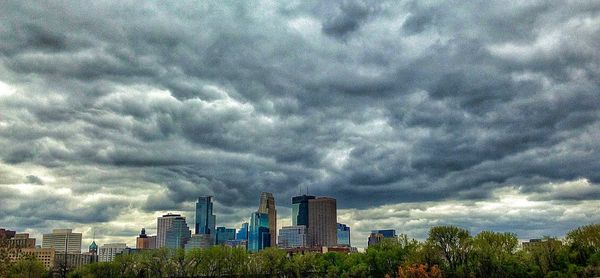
405 111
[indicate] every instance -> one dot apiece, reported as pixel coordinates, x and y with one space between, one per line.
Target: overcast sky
411 114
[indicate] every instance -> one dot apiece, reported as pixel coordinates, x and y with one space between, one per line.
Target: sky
480 114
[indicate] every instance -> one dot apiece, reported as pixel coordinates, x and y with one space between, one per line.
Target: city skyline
411 114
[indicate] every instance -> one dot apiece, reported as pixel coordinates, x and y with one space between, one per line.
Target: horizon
411 114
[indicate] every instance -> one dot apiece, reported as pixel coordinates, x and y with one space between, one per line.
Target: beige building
45 255
267 205
107 252
61 239
322 222
73 261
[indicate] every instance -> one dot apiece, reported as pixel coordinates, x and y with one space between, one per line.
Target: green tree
454 244
27 267
494 255
583 243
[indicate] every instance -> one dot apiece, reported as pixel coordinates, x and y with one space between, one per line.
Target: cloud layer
410 113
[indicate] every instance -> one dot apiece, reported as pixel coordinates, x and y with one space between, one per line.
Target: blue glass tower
243 232
205 219
259 237
343 235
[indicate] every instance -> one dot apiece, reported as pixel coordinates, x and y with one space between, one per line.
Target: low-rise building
107 252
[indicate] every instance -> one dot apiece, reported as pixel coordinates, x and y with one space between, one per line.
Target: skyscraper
267 205
205 219
259 236
172 231
300 210
243 232
61 238
343 235
322 222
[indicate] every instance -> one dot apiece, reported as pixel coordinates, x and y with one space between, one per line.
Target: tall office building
292 237
322 222
62 240
172 231
205 219
259 236
242 233
267 205
107 252
343 235
300 210
224 234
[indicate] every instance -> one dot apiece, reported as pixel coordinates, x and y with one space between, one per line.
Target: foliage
449 251
27 267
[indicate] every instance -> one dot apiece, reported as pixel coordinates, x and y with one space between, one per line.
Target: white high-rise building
62 240
107 252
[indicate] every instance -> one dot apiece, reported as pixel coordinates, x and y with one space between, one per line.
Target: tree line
449 251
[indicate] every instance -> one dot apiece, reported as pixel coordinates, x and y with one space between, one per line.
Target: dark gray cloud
145 107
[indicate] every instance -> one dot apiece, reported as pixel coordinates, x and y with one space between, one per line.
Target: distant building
93 249
107 252
292 237
343 235
142 241
242 234
152 242
172 231
377 235
259 236
322 222
21 241
7 234
237 243
205 219
44 255
72 261
300 210
267 205
200 241
61 238
224 234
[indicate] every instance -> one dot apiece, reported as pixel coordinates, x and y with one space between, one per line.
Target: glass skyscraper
259 237
343 235
292 237
172 231
243 232
300 210
205 219
267 205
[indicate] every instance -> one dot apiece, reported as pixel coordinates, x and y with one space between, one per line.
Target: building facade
292 237
322 222
62 240
44 255
223 234
68 262
267 205
200 241
142 241
107 252
172 231
21 241
300 210
343 235
242 234
258 235
205 219
377 236
178 233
